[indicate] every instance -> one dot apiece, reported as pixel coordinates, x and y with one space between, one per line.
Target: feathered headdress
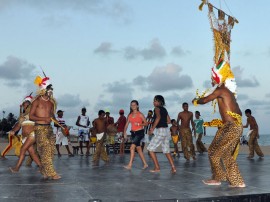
42 83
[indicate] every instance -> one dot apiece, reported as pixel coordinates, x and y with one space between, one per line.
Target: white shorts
83 135
60 138
162 136
119 137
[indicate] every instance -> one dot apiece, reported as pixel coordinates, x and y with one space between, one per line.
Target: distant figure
137 121
175 137
110 127
254 135
150 121
100 129
83 133
162 135
186 118
61 139
121 122
200 130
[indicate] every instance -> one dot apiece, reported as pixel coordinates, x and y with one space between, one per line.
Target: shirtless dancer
99 125
254 135
223 93
42 110
27 133
186 118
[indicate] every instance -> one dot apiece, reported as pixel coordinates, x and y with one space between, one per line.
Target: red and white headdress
28 98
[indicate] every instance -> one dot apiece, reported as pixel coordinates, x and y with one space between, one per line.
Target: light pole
4 114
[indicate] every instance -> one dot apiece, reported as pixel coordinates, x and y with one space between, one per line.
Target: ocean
264 139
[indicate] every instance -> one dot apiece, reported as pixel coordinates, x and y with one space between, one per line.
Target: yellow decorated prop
213 123
15 142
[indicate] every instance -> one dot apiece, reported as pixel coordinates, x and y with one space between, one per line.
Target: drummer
61 139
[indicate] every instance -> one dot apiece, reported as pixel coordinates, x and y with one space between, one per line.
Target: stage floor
82 182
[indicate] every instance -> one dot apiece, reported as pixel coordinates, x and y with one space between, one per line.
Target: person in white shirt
61 139
84 136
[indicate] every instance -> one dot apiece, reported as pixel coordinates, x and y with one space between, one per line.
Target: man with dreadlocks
223 91
42 112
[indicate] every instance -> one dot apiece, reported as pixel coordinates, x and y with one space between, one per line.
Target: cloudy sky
103 53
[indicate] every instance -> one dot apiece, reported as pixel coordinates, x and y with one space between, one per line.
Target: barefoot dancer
162 134
28 135
137 121
223 93
42 111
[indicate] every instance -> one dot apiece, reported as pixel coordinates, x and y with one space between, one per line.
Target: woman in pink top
137 121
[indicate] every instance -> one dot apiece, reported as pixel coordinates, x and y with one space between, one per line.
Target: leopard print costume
46 145
253 144
199 144
226 139
187 143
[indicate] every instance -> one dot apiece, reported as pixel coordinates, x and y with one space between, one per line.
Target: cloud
154 51
178 51
165 78
241 82
267 95
16 72
70 100
242 97
104 48
253 103
118 95
116 9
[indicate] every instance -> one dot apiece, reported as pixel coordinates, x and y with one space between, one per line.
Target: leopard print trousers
45 140
187 143
100 151
253 144
223 165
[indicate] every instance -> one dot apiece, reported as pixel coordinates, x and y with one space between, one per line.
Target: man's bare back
226 102
252 123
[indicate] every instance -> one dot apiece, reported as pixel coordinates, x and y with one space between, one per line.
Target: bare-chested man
226 138
99 125
254 135
186 118
42 110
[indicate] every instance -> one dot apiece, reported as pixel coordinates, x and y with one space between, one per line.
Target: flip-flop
154 171
211 183
238 186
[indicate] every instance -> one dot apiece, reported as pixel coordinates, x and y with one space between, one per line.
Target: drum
65 130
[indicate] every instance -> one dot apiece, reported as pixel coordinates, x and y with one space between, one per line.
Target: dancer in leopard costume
223 93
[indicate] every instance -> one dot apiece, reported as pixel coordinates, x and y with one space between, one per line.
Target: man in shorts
61 139
84 136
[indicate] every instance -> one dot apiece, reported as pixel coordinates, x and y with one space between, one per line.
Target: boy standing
254 135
